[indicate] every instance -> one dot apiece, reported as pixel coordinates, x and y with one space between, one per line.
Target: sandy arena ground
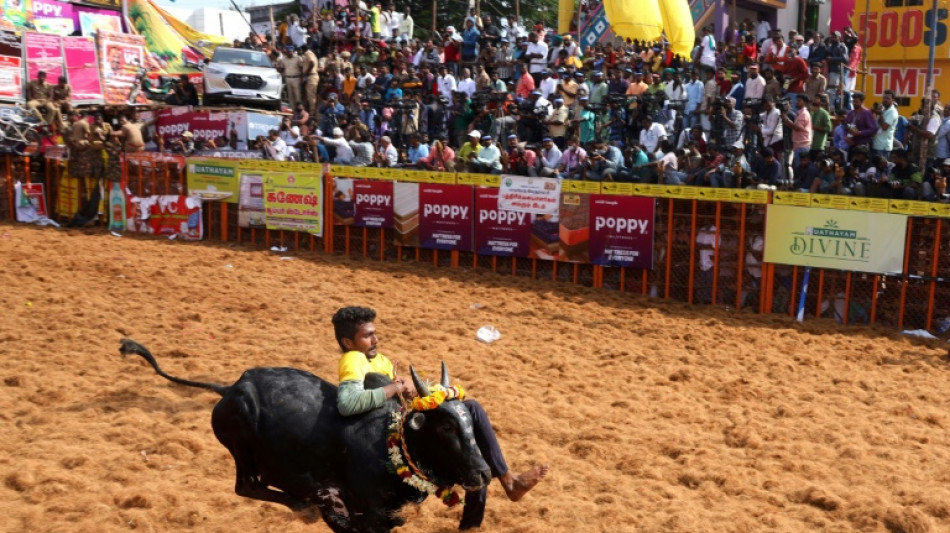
653 416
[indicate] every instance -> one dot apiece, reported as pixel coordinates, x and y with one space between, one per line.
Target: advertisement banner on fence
165 215
259 124
446 221
574 228
82 70
120 58
621 231
373 203
214 175
529 195
251 206
406 214
294 201
50 16
11 66
43 52
499 231
230 154
343 202
830 238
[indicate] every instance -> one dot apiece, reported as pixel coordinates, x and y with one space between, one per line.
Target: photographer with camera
616 120
770 128
520 160
556 123
332 113
343 152
604 163
531 113
274 147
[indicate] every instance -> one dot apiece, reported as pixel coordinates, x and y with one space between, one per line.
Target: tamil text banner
294 201
621 231
499 231
446 219
82 70
529 195
831 238
11 66
121 57
44 52
208 174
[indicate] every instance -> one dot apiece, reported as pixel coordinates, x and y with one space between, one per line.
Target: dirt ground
654 416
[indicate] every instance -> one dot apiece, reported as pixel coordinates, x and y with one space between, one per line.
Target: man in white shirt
550 158
344 152
467 84
651 134
883 141
406 26
762 29
386 155
446 83
537 54
488 159
548 85
708 54
754 85
276 147
365 79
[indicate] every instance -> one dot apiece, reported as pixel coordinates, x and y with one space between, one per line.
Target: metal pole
928 96
864 80
579 44
221 22
249 25
435 16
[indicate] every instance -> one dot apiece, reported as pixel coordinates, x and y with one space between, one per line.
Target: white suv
242 76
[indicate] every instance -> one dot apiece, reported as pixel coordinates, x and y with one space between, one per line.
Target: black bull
284 431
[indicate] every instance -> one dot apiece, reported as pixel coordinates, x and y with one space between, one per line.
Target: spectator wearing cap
557 121
584 121
468 151
550 158
548 85
638 86
293 71
598 93
800 128
754 84
488 159
343 152
568 90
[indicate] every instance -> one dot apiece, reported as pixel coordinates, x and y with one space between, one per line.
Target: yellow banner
483 180
830 201
874 205
617 189
589 187
909 207
802 199
294 201
828 238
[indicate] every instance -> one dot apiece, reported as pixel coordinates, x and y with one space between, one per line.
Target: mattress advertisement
406 214
621 231
574 228
446 220
499 231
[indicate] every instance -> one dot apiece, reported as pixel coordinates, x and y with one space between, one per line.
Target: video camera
402 104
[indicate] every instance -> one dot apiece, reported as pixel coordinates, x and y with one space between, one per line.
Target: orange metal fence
706 252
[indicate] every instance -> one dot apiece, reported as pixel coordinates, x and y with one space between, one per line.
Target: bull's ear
416 420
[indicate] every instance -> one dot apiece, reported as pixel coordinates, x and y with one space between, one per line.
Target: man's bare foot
517 486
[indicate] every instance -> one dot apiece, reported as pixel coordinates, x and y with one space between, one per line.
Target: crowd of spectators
755 107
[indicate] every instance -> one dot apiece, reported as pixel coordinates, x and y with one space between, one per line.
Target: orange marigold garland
437 395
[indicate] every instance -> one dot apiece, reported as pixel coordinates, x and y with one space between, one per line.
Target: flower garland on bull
401 462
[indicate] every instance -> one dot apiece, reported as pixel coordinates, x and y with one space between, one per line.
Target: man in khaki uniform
40 94
77 139
311 79
62 93
293 69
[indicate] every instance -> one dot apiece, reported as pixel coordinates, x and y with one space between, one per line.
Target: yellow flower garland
436 397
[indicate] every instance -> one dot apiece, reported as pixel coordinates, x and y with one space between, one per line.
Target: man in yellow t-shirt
356 334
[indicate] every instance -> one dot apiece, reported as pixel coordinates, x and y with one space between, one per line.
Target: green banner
213 177
831 238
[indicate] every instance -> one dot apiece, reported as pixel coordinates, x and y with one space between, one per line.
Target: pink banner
11 66
841 11
44 52
373 203
621 231
82 70
204 125
446 219
52 16
498 231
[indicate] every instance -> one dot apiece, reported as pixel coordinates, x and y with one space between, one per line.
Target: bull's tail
129 346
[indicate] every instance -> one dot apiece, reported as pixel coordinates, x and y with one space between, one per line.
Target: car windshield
241 57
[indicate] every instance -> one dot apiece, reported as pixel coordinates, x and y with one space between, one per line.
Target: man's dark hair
347 321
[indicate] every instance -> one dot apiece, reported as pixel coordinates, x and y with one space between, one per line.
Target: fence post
933 274
718 247
669 248
692 254
11 192
740 266
903 299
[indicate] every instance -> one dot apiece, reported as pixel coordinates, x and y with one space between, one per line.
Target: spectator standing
860 121
537 55
883 141
470 36
820 124
816 84
801 128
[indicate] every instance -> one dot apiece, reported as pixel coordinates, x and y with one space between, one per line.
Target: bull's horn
421 387
445 376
